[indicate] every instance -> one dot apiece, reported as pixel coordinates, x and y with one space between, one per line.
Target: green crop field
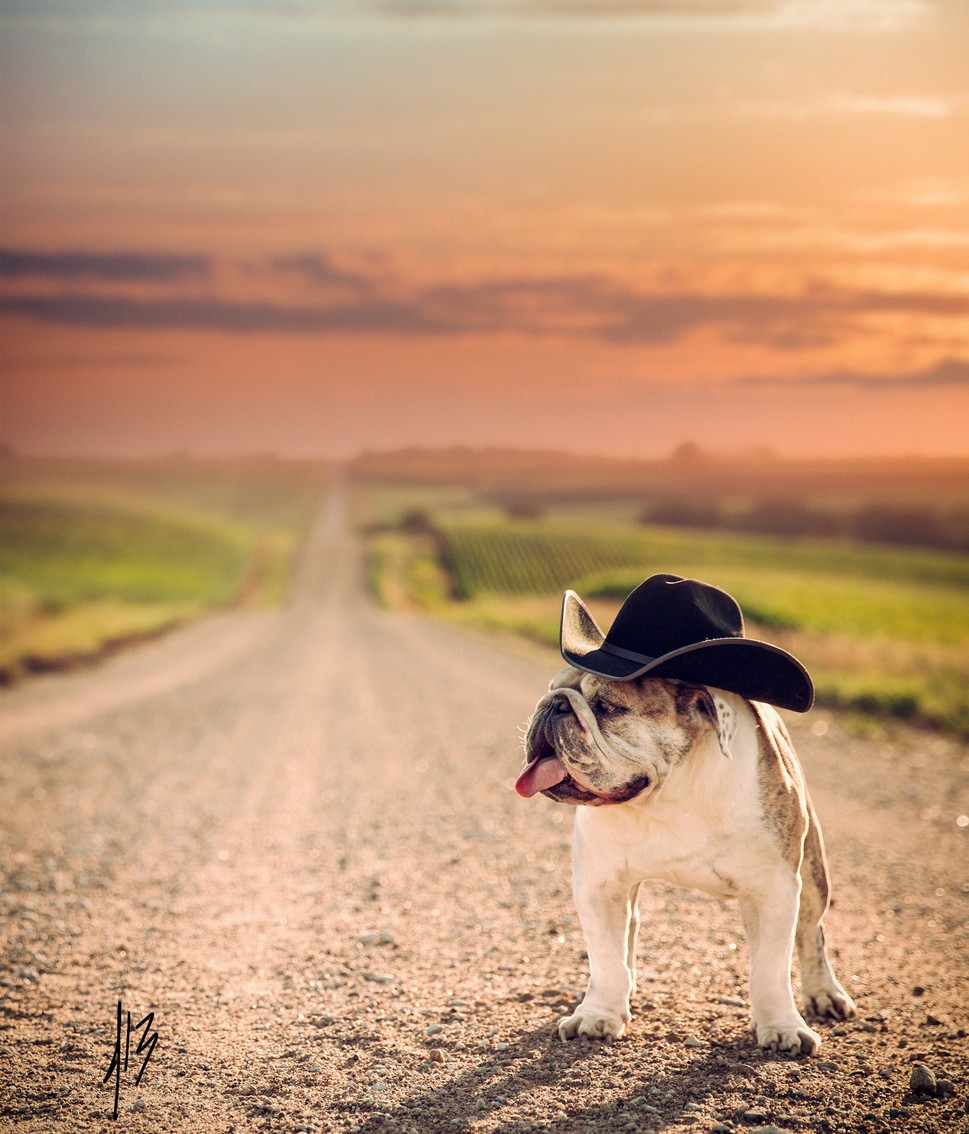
884 631
95 553
788 583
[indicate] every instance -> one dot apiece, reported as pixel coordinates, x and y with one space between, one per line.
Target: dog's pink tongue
540 775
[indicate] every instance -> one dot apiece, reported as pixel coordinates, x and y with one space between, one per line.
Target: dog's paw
592 1024
833 1003
793 1038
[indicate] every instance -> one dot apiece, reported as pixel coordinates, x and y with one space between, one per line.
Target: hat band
629 655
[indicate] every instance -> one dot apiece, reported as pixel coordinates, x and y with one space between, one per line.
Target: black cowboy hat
687 630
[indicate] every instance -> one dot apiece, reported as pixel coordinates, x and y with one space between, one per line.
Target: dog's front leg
769 916
632 937
606 907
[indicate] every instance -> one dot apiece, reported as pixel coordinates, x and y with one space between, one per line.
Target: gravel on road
292 837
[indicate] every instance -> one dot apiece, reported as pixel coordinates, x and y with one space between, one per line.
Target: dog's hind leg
821 991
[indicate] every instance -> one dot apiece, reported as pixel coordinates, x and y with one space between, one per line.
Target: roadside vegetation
884 630
94 554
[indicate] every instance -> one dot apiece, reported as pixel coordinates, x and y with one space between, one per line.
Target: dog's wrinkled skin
691 785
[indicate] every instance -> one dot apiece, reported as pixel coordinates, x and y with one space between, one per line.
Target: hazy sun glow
606 226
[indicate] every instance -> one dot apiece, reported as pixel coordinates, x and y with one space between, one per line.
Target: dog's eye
609 708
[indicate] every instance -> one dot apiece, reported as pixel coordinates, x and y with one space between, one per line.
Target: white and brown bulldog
684 782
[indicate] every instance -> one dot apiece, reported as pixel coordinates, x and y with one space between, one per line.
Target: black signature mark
119 1061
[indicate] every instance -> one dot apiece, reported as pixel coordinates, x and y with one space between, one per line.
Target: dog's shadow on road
539 1081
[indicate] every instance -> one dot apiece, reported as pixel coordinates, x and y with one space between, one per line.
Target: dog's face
594 741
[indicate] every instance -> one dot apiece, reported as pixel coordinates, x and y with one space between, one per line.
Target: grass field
97 553
884 631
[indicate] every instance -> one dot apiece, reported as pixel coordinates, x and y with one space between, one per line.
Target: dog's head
594 741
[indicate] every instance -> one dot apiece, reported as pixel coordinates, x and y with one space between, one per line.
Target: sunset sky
610 226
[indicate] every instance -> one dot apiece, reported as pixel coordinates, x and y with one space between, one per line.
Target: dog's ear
721 714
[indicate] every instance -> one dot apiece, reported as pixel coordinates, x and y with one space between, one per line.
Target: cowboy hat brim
756 670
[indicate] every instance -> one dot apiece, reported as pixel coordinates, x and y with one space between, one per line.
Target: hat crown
688 631
667 613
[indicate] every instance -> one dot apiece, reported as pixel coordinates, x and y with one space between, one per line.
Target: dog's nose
559 705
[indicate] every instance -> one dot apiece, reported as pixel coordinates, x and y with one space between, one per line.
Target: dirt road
292 837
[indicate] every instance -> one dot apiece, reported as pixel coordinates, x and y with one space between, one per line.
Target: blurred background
573 274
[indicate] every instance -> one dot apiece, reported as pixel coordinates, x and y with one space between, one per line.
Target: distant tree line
872 522
911 501
908 525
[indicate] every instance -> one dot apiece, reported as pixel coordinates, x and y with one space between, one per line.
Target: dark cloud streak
591 306
116 267
946 372
227 316
318 270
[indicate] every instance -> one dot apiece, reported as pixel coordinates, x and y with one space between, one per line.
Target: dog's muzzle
545 768
546 772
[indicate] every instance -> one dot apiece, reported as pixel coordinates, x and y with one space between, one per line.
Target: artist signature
119 1060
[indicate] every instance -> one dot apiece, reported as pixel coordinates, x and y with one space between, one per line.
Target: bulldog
685 783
